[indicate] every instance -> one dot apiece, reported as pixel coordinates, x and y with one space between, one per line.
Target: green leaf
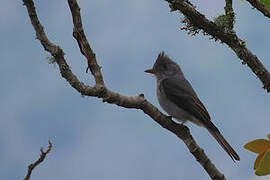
266 3
264 165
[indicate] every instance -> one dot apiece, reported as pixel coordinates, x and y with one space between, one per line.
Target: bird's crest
162 56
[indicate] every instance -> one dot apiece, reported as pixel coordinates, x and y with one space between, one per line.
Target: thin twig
260 7
37 162
101 91
198 21
229 13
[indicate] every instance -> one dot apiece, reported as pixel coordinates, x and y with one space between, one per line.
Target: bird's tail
222 142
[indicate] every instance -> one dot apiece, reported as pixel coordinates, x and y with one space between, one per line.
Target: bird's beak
150 71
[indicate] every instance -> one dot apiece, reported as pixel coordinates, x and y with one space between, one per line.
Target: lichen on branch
197 21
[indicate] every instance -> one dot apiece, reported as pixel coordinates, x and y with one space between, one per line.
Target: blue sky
94 140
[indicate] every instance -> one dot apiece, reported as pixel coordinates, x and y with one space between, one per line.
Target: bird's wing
185 97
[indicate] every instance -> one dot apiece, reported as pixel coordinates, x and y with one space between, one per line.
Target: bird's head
164 67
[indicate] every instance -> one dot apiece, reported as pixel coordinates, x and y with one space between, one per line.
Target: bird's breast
171 108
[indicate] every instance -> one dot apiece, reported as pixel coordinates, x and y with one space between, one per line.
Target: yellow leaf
258 145
258 160
264 165
268 135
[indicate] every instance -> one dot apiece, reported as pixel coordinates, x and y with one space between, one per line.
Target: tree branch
37 162
260 7
78 34
101 91
196 20
229 13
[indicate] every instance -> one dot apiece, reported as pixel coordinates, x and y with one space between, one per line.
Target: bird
177 97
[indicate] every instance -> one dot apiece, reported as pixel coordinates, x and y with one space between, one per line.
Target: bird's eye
164 66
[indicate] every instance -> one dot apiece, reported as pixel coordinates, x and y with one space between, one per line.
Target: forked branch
198 21
101 91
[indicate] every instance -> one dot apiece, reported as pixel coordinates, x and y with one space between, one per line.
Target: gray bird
177 97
